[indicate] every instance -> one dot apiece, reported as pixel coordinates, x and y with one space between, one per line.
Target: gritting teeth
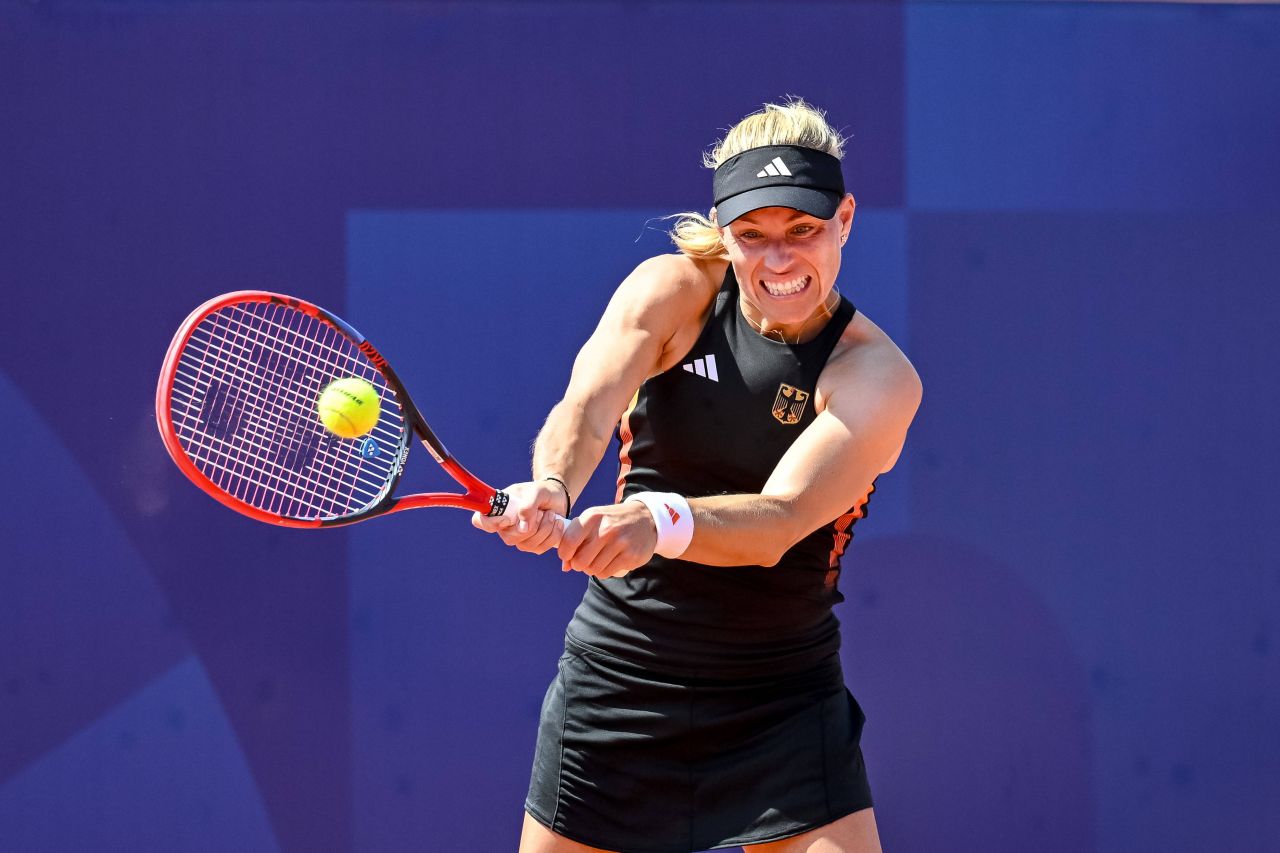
785 288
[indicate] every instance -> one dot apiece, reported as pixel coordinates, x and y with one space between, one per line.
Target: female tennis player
700 701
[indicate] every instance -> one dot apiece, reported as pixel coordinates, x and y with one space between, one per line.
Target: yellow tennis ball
349 407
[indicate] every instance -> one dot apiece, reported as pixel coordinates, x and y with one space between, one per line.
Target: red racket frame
479 497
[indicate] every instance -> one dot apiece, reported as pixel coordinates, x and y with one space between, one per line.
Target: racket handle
500 506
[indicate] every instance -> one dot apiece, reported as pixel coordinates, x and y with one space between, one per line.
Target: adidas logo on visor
775 168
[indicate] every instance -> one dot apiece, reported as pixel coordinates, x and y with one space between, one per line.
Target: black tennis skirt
641 762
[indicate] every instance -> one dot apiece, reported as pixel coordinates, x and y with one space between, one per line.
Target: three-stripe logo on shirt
704 367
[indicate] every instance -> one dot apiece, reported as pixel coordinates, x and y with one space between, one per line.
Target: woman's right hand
532 520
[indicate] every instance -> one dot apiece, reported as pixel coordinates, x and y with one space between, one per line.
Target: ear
712 217
844 213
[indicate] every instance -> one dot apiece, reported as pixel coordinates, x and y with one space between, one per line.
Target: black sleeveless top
718 423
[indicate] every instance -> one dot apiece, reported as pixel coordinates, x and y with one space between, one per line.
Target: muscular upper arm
831 465
648 309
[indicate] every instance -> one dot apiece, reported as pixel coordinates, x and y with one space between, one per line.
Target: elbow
770 560
773 555
786 535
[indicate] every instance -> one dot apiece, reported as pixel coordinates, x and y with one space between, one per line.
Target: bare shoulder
675 278
669 295
647 318
869 364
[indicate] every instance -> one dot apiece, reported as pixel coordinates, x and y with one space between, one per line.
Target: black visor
804 179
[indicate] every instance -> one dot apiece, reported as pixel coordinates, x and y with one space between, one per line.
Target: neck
789 333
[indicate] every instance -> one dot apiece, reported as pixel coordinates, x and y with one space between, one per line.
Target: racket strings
244 407
289 445
294 440
227 409
380 475
292 389
293 447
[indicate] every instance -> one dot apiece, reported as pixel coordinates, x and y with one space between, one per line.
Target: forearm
741 530
569 447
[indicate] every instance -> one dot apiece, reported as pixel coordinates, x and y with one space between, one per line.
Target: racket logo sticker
369 448
293 446
221 412
789 405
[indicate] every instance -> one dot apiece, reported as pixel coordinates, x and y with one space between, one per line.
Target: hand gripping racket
236 407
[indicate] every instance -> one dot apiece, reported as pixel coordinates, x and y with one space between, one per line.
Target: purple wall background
1063 613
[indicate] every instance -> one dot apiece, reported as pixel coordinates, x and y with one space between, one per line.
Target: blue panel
1059 105
160 773
1100 416
874 277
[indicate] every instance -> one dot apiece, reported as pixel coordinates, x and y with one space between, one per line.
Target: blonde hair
793 122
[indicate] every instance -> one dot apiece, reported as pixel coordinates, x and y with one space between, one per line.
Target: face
786 261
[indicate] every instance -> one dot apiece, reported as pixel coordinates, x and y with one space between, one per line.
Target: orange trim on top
842 537
624 452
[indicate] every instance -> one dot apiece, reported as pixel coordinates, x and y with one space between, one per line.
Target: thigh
853 833
536 838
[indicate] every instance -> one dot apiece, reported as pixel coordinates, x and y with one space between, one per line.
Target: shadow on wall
977 733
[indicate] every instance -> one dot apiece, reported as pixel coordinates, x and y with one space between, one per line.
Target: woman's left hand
609 541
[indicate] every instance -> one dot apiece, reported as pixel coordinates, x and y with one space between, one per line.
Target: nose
777 256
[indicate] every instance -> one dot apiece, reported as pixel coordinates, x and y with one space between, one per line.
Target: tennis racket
236 407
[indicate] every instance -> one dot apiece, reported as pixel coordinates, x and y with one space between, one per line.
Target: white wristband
672 517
